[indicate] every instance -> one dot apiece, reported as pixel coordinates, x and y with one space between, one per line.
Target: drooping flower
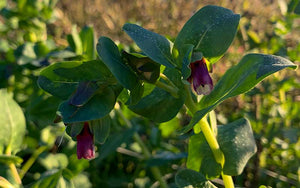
200 79
85 143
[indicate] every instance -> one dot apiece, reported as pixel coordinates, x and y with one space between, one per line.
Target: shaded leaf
97 107
236 142
100 129
190 178
160 105
238 145
201 159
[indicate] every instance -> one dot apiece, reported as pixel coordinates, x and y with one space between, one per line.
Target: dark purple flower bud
200 79
85 143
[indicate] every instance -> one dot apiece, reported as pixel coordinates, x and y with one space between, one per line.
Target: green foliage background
36 33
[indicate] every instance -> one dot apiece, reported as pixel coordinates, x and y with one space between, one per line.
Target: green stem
15 173
12 167
189 102
228 183
172 90
210 137
147 154
31 160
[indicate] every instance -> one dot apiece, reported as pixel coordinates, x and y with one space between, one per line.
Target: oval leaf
211 30
97 107
13 123
236 142
238 145
157 47
110 55
61 79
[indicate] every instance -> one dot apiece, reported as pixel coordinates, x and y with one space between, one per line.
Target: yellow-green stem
146 153
228 183
15 173
212 141
210 137
13 168
31 160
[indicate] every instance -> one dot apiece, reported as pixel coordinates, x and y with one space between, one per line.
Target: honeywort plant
157 83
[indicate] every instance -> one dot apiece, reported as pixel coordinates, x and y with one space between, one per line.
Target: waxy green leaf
155 46
193 179
100 129
61 79
13 124
97 107
160 105
110 55
239 79
201 159
211 30
236 142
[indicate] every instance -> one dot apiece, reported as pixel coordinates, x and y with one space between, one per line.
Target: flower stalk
210 138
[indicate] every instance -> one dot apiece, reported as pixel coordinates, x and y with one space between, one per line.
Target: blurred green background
34 33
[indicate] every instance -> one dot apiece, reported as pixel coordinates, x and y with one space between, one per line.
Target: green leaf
85 91
110 55
201 159
13 123
88 43
159 105
236 142
191 178
165 158
100 129
8 159
211 30
97 107
49 179
54 161
239 79
136 94
238 145
42 109
157 47
61 79
113 142
144 67
74 129
186 60
75 41
25 54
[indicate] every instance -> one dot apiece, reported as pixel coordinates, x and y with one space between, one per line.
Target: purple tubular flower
85 143
200 79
